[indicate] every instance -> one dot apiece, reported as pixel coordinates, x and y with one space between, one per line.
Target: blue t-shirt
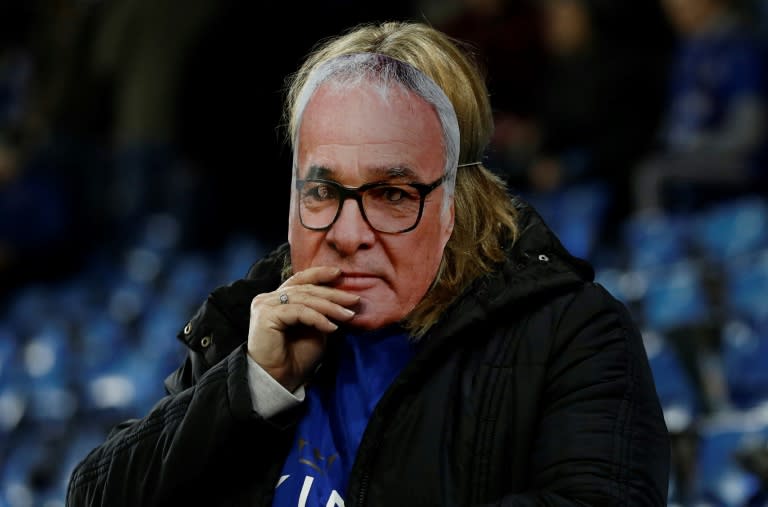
317 468
710 74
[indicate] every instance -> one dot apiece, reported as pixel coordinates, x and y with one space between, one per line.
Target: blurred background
142 164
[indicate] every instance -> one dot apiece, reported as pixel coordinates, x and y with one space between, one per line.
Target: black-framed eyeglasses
387 207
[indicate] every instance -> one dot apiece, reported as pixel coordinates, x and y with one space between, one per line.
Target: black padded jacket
533 389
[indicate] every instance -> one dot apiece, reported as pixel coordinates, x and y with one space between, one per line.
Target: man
712 143
422 339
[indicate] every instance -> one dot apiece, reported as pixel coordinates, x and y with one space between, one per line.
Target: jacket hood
538 267
538 264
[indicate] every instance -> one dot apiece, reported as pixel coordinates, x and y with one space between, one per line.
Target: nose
350 232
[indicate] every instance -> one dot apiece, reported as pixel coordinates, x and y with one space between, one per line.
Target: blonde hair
485 217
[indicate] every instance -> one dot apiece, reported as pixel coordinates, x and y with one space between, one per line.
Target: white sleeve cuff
267 394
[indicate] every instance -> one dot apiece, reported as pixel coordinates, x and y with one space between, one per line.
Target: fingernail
348 311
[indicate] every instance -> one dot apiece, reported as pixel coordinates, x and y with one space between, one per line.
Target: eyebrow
380 173
319 172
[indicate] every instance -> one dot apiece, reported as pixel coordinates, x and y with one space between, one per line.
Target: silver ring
283 298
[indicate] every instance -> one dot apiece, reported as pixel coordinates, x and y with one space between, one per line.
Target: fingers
310 294
306 309
287 337
311 317
319 275
310 288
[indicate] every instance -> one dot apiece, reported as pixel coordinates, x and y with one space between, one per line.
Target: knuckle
257 301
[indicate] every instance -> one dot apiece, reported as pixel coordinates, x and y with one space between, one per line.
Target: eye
392 194
319 191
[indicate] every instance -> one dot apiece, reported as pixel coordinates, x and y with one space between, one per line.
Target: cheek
422 257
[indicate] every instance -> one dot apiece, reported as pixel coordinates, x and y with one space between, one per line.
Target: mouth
356 281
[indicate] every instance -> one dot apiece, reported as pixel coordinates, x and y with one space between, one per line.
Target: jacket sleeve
201 435
601 438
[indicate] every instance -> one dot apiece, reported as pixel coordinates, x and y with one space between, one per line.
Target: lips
356 281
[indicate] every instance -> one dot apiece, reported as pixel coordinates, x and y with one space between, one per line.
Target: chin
378 312
365 322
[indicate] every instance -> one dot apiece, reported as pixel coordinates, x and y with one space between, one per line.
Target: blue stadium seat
26 307
48 364
720 480
75 299
676 297
101 342
159 343
654 240
745 363
731 228
127 389
677 393
51 403
9 345
28 452
12 394
581 218
236 259
188 278
47 356
159 232
746 287
13 408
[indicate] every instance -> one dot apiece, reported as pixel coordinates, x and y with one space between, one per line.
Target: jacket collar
537 268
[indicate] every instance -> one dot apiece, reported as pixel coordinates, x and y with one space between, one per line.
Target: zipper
365 467
373 433
363 488
377 422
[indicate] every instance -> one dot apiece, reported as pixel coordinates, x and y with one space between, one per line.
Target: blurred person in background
15 65
37 226
140 49
430 342
756 12
132 97
35 216
600 99
713 142
65 120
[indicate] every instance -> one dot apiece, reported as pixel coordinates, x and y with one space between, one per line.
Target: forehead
363 128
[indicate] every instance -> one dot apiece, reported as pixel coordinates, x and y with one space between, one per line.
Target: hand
288 340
